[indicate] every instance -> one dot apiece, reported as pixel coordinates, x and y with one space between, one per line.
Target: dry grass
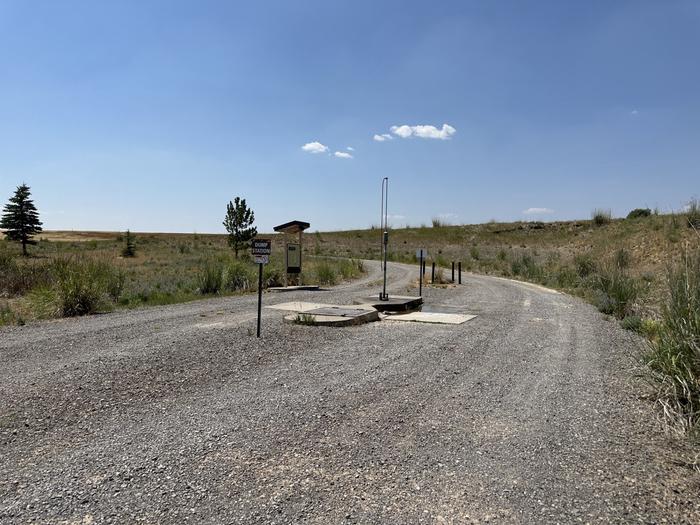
166 269
650 245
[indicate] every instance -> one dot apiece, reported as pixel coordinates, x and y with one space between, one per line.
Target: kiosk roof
292 227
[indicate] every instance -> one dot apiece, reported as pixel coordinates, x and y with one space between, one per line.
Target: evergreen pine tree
20 218
239 224
129 245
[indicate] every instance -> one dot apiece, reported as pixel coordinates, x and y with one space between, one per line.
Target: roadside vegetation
673 358
73 274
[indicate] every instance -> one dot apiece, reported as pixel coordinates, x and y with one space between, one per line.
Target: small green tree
20 218
129 249
239 224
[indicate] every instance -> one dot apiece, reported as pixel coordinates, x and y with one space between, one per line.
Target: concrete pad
297 306
396 303
431 317
303 287
340 311
336 316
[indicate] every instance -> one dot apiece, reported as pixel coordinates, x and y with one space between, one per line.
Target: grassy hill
572 255
557 254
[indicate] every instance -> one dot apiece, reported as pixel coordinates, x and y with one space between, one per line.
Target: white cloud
350 148
314 147
342 155
447 215
422 131
538 211
383 137
402 131
634 112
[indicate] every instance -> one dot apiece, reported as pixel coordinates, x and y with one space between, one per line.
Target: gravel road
178 414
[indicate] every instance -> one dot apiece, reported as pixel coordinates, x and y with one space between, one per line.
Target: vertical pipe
260 276
432 276
381 226
459 266
385 232
420 275
453 272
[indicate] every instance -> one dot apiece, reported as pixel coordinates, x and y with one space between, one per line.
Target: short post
459 271
423 267
420 275
432 276
453 272
260 276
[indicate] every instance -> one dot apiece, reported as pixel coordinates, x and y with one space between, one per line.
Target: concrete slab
303 287
445 308
431 317
396 303
340 311
297 306
336 316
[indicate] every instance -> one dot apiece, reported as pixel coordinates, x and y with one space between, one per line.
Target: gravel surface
178 414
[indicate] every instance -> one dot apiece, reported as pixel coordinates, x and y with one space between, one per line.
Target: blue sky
151 115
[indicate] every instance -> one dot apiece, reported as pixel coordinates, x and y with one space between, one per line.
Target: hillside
557 254
551 251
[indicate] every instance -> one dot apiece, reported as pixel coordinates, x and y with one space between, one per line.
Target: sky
151 115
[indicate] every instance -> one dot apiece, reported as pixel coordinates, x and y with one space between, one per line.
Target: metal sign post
421 253
385 232
261 248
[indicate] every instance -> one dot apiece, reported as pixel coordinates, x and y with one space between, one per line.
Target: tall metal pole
260 282
385 232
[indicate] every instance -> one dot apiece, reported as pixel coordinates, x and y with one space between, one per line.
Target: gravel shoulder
178 414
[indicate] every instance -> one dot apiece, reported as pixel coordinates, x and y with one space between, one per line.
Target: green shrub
623 259
693 214
633 323
273 275
585 265
639 213
325 273
238 276
474 253
616 293
601 217
526 266
673 359
305 319
8 316
650 328
210 278
566 277
78 287
85 287
502 255
17 277
350 268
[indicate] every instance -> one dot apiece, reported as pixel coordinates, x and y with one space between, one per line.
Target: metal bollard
459 267
432 276
453 272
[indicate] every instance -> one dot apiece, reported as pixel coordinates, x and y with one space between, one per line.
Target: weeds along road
177 415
